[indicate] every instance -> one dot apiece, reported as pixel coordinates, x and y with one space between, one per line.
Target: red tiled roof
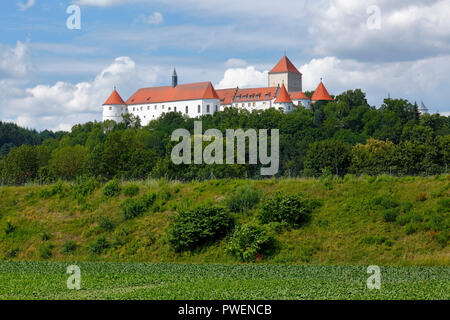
283 96
226 95
285 65
298 96
255 94
114 98
321 93
192 91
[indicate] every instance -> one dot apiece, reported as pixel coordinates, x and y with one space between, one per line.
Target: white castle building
197 99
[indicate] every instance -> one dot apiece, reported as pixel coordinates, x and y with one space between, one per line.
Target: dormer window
268 95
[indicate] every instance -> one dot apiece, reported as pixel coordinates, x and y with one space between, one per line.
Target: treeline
11 135
340 137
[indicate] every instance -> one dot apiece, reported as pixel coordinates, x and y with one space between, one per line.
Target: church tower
286 73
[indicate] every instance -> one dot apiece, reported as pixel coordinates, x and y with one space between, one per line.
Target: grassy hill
353 226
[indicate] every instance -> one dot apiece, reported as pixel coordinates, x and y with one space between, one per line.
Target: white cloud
235 63
243 78
64 104
155 19
14 61
25 6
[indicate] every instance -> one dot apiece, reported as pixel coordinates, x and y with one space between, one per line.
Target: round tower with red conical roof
283 100
114 108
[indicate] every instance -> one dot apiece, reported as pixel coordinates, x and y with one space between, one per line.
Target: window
217 108
208 109
163 107
268 95
249 104
254 104
142 108
170 108
134 109
148 108
187 109
199 109
175 109
243 105
110 108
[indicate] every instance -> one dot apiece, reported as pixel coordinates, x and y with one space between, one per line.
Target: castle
284 92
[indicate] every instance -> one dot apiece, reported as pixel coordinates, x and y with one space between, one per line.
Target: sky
53 77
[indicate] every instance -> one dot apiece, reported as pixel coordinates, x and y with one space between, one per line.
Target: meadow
47 280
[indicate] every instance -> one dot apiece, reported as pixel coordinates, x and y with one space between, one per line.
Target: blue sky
52 77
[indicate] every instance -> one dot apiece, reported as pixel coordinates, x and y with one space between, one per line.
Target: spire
174 78
283 96
321 93
114 98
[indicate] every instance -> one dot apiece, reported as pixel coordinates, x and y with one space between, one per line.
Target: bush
135 207
45 236
390 215
69 246
9 228
251 242
410 228
11 254
421 197
292 209
131 191
106 224
99 245
45 252
384 202
112 189
244 198
199 226
83 188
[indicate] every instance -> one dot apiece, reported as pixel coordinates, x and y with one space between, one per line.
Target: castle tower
423 109
283 100
321 93
286 73
114 108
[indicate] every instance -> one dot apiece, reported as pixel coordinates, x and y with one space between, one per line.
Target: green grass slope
353 226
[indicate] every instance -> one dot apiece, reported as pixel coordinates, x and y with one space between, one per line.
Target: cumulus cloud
64 104
25 6
243 78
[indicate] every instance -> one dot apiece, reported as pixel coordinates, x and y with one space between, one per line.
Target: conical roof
321 93
283 96
114 99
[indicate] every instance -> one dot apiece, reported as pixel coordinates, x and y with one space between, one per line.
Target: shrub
135 207
293 209
10 254
199 226
390 215
9 228
442 238
410 228
250 242
112 189
421 197
132 190
106 224
244 198
45 251
69 246
83 188
384 202
99 245
45 236
374 239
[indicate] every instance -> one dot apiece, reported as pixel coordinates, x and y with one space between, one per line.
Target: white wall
114 112
152 111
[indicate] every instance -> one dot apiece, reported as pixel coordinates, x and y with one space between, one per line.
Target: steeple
321 93
174 78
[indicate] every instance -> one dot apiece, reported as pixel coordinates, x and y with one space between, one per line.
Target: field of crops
47 280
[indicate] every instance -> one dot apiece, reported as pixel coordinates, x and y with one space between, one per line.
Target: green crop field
47 280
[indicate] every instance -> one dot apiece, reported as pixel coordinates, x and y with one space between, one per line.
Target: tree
67 162
374 158
21 165
328 154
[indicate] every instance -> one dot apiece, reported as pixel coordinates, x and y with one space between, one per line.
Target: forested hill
340 137
11 135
